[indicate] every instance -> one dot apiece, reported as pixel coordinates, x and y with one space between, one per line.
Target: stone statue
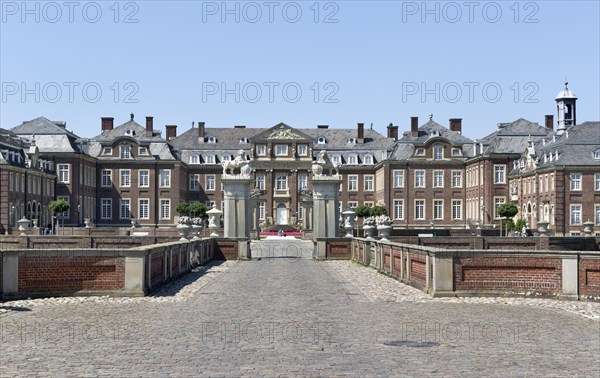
238 162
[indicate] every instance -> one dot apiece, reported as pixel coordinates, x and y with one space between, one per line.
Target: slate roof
512 137
10 141
425 132
575 147
121 130
50 136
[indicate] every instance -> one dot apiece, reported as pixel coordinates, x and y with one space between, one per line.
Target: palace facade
428 176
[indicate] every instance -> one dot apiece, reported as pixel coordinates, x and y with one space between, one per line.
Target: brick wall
226 249
338 249
589 277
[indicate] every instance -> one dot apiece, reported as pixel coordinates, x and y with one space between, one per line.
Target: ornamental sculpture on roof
284 134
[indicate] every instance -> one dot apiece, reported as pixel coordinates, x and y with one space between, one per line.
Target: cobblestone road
289 317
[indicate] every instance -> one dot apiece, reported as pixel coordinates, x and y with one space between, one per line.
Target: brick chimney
107 123
201 132
171 131
456 125
549 122
392 132
360 137
414 126
149 126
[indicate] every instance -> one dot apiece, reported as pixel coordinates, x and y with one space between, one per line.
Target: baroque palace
430 175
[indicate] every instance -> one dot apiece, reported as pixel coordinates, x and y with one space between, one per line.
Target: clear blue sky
373 61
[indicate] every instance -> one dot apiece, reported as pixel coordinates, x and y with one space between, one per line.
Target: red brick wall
541 274
338 249
589 277
397 262
418 273
226 249
157 266
70 273
175 263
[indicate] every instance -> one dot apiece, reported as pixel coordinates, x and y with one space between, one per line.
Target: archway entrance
282 214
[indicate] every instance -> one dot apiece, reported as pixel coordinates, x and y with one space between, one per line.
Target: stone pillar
237 216
326 209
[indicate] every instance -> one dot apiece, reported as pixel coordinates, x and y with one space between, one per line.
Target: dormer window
368 159
352 141
321 140
597 155
352 159
195 159
226 157
209 159
211 140
261 150
456 152
438 152
435 133
244 140
336 159
125 152
143 151
420 152
130 132
107 151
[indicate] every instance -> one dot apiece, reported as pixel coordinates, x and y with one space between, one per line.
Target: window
260 182
209 159
143 178
597 181
195 159
597 212
456 209
261 150
353 183
11 181
106 178
456 152
438 179
398 209
368 160
499 174
419 179
302 182
211 139
226 157
125 178
420 152
336 159
64 214
457 179
438 209
165 178
352 141
547 182
63 173
541 185
281 150
165 209
210 182
575 214
576 181
281 182
398 179
261 210
143 151
438 152
107 151
144 208
352 205
125 152
302 150
321 140
369 203
300 211
194 182
244 140
419 209
106 208
124 213
352 159
597 155
210 204
497 202
368 183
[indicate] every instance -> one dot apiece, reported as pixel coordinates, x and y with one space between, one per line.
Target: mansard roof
575 147
433 129
512 137
51 136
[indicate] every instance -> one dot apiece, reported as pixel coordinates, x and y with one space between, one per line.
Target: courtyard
297 317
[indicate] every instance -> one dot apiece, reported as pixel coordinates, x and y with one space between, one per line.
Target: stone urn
196 228
23 226
35 221
349 222
384 231
87 222
214 222
587 228
543 227
368 229
183 227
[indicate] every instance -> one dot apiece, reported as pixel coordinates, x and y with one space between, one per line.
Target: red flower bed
274 233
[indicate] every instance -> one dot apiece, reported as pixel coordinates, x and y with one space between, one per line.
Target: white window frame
438 206
597 214
456 151
210 183
260 182
210 159
456 204
398 178
420 203
261 210
353 183
302 181
125 180
141 183
106 178
194 159
261 150
194 182
141 207
420 151
499 174
125 152
438 175
62 168
352 159
352 204
498 201
418 173
399 209
597 182
438 152
162 183
457 175
302 150
281 150
122 202
107 151
143 151
165 204
369 183
105 204
579 208
64 214
368 159
576 180
281 181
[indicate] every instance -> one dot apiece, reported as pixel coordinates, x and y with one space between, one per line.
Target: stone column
326 210
237 216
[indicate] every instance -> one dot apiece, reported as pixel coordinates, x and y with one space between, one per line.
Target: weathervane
430 116
131 115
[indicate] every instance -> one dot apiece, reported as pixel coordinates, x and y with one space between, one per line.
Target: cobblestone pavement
291 317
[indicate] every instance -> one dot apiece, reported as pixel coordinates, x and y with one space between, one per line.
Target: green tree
57 207
183 208
362 211
377 211
198 210
507 211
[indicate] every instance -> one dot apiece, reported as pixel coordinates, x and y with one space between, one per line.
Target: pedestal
237 216
326 208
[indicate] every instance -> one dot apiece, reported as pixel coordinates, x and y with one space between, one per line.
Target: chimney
549 122
171 131
322 126
107 123
414 126
392 132
239 126
456 125
361 133
201 132
149 126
